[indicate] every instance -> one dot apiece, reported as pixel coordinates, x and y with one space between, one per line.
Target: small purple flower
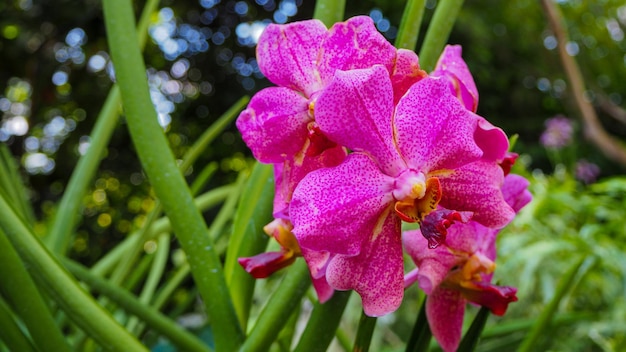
586 171
558 133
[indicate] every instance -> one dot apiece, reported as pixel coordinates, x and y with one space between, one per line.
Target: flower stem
68 211
421 335
410 24
279 307
157 321
61 287
164 175
470 340
364 333
18 288
329 11
322 325
438 32
10 333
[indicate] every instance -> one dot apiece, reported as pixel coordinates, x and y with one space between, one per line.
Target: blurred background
55 73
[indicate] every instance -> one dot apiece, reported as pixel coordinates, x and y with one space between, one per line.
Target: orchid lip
410 184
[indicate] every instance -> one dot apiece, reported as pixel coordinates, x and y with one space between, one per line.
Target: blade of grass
364 333
11 183
438 32
473 334
322 325
421 335
410 25
164 175
61 287
545 318
157 321
329 11
20 291
10 333
68 212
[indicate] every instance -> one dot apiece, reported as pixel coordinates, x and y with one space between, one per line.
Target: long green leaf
164 175
364 333
323 323
62 288
409 29
329 11
438 32
421 335
473 334
10 333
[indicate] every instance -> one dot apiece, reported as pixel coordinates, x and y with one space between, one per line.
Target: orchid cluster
361 140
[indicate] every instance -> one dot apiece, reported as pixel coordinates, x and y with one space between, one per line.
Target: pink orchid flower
452 66
415 161
461 270
301 59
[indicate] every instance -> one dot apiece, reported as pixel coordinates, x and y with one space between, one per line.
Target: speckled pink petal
452 66
317 262
376 274
433 264
496 298
492 140
434 131
515 191
334 209
323 289
354 44
445 310
356 109
476 187
291 172
287 54
274 124
406 72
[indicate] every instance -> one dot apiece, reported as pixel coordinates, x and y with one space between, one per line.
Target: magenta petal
334 209
323 289
356 109
433 130
376 273
287 54
274 126
433 264
496 298
406 72
354 44
445 310
476 187
492 140
452 66
515 191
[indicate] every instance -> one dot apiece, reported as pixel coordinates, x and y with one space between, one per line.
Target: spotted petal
376 273
433 264
334 209
356 109
434 131
476 187
287 54
455 70
354 44
445 310
274 124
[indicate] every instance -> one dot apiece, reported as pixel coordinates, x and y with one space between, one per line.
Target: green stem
364 333
322 325
164 175
329 11
421 335
62 288
203 202
10 333
248 238
20 291
438 32
473 334
545 318
68 212
157 321
279 307
410 24
12 184
170 286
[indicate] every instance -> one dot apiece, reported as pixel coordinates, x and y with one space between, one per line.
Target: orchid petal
433 264
274 124
291 172
265 264
496 298
433 130
515 191
332 208
492 140
355 110
444 310
354 44
287 54
476 187
317 263
452 66
376 273
323 289
406 72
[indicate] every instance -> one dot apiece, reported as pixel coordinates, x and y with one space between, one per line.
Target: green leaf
470 340
364 333
438 32
410 25
329 11
421 335
323 323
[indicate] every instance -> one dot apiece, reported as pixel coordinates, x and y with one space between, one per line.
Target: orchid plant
373 155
